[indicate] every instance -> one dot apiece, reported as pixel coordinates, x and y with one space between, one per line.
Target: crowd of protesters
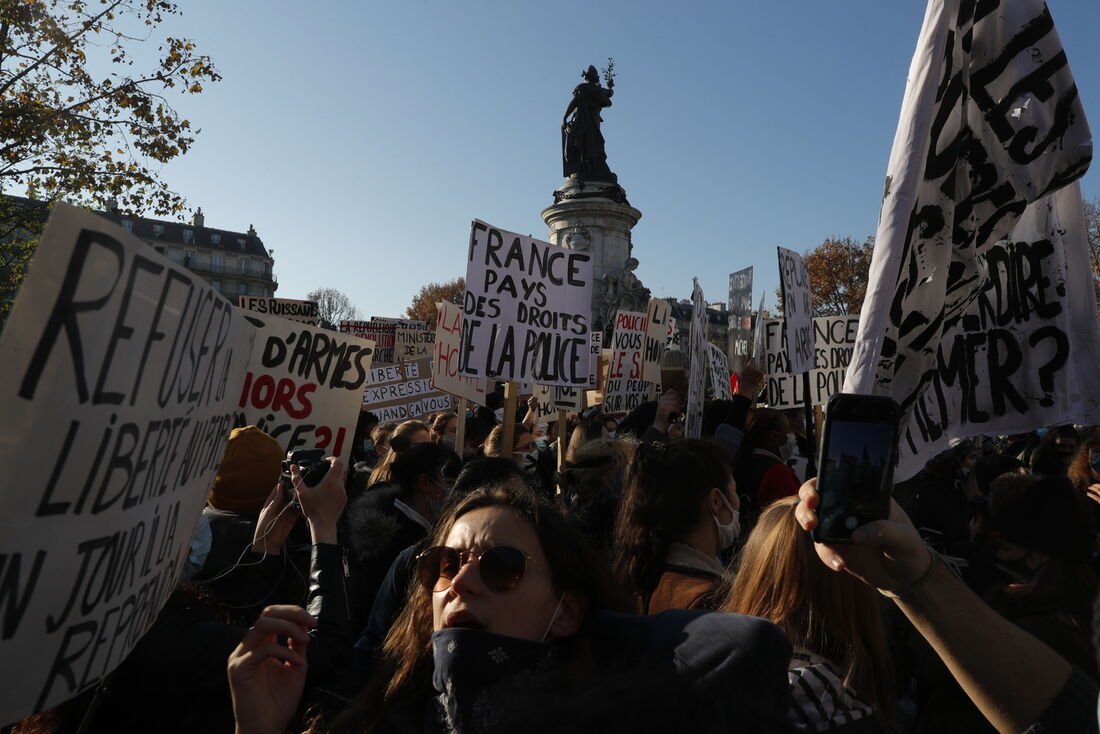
644 583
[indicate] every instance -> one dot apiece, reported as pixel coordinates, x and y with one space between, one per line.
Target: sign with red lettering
445 377
626 388
304 385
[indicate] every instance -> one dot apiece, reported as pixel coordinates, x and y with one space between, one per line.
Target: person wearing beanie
249 469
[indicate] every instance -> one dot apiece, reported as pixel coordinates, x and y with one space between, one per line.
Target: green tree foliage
81 119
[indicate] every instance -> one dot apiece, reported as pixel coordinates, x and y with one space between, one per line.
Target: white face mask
787 450
727 534
450 440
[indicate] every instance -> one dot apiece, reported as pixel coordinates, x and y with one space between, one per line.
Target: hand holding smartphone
855 464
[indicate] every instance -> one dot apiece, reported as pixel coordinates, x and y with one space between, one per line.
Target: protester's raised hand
322 505
888 554
670 404
1093 492
266 678
275 522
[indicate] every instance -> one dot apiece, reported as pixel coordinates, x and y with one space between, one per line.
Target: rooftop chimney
197 219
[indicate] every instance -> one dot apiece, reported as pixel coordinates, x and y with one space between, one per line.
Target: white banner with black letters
699 366
979 316
119 373
526 310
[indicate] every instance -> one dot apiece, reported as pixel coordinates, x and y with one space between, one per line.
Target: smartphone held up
855 464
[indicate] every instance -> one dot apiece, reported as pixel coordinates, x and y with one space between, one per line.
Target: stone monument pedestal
593 216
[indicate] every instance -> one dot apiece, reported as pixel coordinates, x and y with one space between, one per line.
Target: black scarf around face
481 677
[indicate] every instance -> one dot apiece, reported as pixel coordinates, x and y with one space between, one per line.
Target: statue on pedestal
583 154
622 291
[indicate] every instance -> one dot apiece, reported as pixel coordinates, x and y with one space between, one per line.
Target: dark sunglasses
501 567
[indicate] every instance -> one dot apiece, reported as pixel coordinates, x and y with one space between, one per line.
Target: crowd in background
647 582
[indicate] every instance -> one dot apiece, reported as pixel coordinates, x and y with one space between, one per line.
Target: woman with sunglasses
502 633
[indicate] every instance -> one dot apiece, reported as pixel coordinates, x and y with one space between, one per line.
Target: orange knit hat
248 472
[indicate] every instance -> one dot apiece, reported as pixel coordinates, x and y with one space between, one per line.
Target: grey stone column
595 217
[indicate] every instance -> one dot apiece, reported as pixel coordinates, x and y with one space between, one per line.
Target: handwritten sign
656 339
304 312
834 337
797 312
404 391
719 373
304 385
697 375
120 372
526 310
624 389
445 377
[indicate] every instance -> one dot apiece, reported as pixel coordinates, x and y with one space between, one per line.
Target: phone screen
854 472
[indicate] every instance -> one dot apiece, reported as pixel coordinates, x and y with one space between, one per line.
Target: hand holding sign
671 404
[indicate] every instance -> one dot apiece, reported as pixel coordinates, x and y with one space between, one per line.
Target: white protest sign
526 310
656 337
404 391
304 385
120 372
411 344
980 315
719 373
383 332
758 333
624 388
835 337
304 312
797 311
697 375
445 377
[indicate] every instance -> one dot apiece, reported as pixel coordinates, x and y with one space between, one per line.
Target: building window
128 225
158 230
215 239
188 237
188 258
244 265
242 289
241 242
216 263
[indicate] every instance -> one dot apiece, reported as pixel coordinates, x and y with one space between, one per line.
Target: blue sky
360 138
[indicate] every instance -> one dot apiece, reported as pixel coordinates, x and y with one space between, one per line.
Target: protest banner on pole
656 338
412 344
719 373
304 385
624 388
304 312
758 334
797 311
382 332
526 310
980 316
120 372
400 392
835 337
697 374
740 318
445 377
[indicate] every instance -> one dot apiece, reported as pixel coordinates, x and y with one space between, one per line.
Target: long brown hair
834 615
666 486
404 668
399 441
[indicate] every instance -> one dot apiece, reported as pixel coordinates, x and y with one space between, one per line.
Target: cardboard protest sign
980 316
697 374
758 333
411 344
656 337
526 308
797 311
120 372
304 385
835 337
381 331
624 389
304 312
719 373
740 318
404 391
445 377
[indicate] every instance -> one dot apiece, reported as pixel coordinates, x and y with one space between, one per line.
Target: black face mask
481 676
